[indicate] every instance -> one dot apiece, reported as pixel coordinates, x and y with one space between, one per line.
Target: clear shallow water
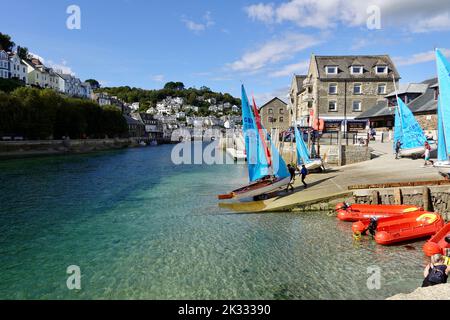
142 228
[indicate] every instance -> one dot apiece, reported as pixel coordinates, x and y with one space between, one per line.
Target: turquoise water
142 228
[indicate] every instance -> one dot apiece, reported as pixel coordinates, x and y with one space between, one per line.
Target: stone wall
18 149
439 197
427 121
368 98
350 154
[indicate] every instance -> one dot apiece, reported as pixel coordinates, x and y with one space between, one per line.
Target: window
331 69
332 106
381 69
281 119
281 111
332 88
382 88
357 70
357 88
270 111
356 106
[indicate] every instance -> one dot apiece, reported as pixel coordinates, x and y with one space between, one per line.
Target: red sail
261 132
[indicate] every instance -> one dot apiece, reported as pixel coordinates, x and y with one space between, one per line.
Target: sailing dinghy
443 68
266 168
303 156
408 131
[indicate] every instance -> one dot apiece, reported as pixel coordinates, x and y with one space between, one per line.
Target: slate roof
409 88
130 120
345 62
299 79
423 103
276 98
379 110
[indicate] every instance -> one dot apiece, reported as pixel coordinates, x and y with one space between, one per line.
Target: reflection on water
142 228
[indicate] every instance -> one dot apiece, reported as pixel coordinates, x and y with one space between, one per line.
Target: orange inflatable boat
402 228
439 242
357 212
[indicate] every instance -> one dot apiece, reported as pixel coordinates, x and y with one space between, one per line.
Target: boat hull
410 226
257 189
437 243
415 152
315 164
357 212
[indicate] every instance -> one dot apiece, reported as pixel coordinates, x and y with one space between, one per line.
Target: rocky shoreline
440 292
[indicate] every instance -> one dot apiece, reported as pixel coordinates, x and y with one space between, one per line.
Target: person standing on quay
428 154
398 146
304 173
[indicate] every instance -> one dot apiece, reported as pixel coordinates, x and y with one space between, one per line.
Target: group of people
293 171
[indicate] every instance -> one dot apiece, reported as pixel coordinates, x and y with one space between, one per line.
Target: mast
440 106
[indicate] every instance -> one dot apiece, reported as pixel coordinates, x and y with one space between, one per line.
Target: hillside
203 98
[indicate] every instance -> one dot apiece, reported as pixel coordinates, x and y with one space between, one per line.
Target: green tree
6 43
23 53
94 84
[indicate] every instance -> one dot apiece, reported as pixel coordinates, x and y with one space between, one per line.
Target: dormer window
356 69
381 69
331 69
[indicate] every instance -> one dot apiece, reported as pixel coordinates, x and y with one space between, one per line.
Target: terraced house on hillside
339 88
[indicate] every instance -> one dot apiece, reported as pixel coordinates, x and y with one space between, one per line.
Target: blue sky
221 43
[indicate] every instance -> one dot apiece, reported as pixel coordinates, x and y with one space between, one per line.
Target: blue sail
257 163
302 151
442 145
398 132
278 164
411 134
443 68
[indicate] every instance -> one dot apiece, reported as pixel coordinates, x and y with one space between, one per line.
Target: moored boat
266 168
410 226
257 189
303 155
439 242
357 212
408 132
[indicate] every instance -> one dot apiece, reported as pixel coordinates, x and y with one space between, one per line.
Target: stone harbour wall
438 198
18 149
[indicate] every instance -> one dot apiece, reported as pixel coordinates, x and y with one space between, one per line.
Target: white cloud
264 97
61 67
199 26
157 78
436 23
57 66
290 69
273 51
262 12
417 58
413 15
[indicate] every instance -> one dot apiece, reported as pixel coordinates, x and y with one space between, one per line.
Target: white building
4 65
135 106
181 115
37 74
17 68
